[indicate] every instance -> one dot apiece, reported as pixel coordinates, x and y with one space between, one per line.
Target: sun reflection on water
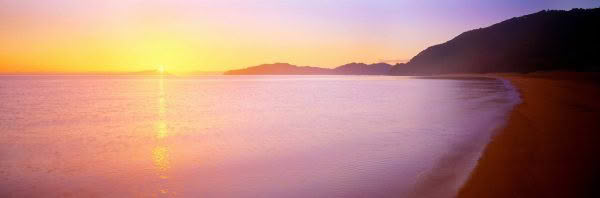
161 131
160 157
160 153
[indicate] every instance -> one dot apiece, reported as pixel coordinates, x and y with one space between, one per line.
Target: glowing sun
161 69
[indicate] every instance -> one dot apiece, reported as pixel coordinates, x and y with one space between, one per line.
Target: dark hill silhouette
547 40
363 69
287 69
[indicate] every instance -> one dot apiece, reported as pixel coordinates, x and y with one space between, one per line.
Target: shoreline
454 169
547 146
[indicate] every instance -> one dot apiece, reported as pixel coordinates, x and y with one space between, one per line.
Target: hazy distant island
543 41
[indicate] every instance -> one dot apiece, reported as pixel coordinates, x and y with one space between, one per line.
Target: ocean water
244 136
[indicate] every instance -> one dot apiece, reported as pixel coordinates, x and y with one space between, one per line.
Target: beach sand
549 147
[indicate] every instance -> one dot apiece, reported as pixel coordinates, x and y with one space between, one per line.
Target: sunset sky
186 35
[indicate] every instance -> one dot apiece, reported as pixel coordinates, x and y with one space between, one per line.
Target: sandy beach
549 146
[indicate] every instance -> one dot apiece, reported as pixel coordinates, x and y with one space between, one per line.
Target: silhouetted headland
279 69
363 69
547 40
288 69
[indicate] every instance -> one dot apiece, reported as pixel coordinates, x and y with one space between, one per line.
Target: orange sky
202 35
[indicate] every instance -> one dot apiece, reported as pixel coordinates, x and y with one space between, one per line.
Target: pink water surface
243 136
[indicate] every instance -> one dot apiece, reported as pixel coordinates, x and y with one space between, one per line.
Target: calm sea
244 136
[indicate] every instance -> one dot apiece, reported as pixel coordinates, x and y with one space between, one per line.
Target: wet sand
549 147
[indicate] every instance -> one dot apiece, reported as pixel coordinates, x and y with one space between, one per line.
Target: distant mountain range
547 40
363 69
287 69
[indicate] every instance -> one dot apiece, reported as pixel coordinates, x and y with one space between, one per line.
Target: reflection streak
160 153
